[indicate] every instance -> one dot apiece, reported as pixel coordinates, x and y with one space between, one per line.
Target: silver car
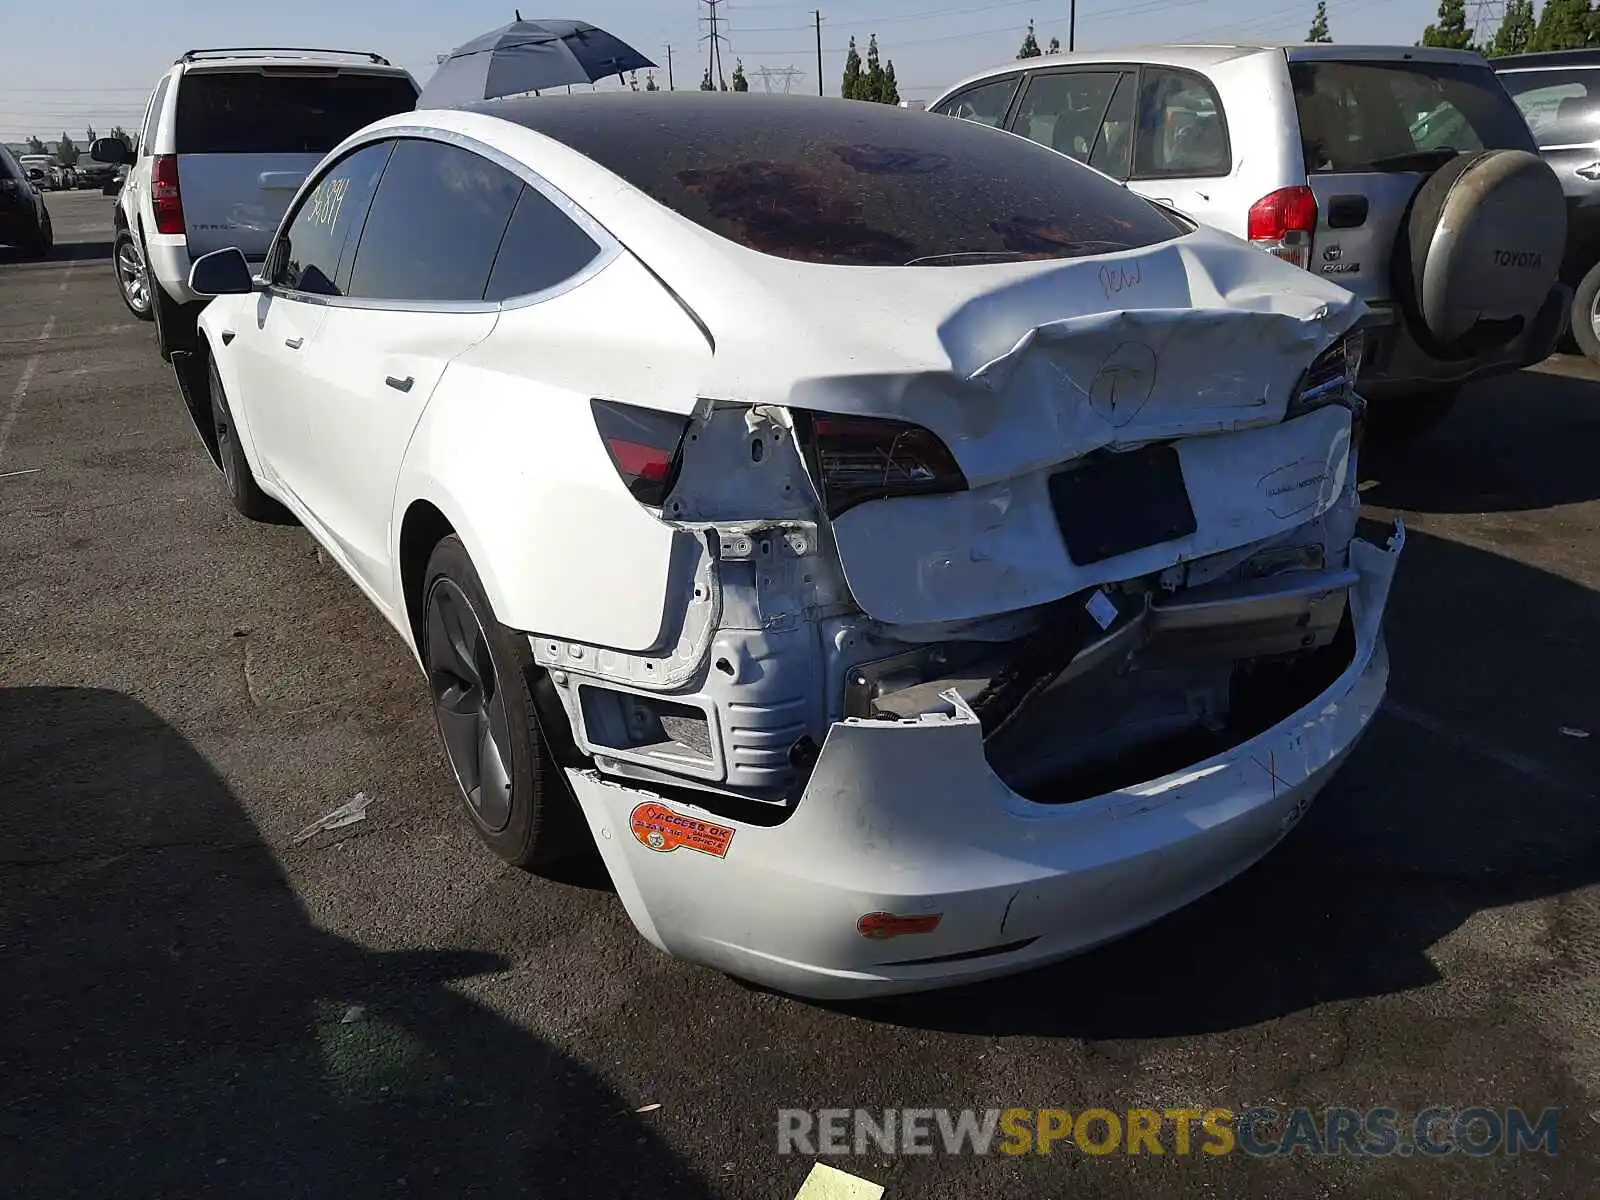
1405 174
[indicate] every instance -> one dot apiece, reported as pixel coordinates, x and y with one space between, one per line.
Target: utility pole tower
787 74
714 40
818 14
1486 18
670 86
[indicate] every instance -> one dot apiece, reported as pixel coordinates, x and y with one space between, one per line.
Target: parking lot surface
201 997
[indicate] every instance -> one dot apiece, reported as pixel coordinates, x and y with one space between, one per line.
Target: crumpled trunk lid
1025 368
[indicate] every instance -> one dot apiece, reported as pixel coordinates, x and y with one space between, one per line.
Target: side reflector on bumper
880 926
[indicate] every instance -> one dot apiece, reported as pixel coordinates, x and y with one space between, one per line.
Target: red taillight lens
164 197
1283 223
868 458
645 446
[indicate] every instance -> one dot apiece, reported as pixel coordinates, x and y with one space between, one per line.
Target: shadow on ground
1463 796
175 1025
63 252
1514 444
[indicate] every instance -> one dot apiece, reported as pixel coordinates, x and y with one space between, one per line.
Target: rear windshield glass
846 182
1359 116
258 112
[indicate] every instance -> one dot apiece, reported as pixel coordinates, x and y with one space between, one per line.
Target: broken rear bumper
906 818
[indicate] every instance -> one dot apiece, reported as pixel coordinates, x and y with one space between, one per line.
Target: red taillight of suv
1283 223
164 197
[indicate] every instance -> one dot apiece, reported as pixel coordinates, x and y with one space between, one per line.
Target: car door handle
400 385
294 343
1592 171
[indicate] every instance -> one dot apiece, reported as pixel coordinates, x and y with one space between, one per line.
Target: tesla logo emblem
1124 382
1332 254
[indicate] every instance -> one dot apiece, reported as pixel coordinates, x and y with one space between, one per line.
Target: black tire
126 253
480 677
1585 312
1406 418
237 477
42 239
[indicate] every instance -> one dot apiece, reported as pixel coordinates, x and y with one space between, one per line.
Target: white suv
1405 174
228 137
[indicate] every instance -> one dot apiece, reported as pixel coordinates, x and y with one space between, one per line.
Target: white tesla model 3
915 556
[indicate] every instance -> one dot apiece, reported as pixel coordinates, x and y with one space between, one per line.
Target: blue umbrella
528 56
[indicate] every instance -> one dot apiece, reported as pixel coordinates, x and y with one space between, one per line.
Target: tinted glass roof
844 181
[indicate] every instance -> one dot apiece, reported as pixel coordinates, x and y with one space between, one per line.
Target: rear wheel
480 675
1405 418
133 278
43 238
1586 315
240 481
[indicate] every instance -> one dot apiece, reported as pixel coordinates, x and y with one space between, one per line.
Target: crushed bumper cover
906 819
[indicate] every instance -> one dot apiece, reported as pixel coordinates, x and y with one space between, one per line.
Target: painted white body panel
907 818
1018 368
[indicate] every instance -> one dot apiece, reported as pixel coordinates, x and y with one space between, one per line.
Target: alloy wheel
468 704
131 274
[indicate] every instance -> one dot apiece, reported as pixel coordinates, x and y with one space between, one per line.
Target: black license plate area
1111 504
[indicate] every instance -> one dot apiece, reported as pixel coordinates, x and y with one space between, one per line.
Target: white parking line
32 364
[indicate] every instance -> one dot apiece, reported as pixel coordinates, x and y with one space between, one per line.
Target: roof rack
274 52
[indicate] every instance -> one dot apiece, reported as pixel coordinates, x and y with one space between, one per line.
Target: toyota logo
1332 254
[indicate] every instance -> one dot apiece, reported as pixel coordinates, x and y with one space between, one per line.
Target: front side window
435 224
1064 110
1559 106
313 254
1182 130
986 104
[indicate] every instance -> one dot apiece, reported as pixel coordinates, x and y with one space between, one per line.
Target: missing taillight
857 459
1331 377
645 446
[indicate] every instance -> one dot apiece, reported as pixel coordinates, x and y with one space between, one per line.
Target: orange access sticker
662 830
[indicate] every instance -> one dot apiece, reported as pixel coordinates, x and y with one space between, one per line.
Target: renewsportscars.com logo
1261 1132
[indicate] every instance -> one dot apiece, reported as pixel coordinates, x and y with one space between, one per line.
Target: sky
68 64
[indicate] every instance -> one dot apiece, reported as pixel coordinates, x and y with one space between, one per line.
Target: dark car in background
24 219
1559 93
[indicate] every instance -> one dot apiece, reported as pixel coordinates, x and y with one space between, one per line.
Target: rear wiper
1418 160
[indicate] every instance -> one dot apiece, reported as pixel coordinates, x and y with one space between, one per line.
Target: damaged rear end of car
1036 620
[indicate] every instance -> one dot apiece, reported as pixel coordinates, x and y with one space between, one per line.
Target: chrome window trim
610 248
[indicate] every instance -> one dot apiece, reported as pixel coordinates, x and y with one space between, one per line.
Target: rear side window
293 111
317 248
986 104
7 169
1064 109
541 248
1182 131
1361 116
435 224
147 138
1562 108
848 183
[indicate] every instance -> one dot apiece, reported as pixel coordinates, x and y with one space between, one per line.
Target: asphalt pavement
199 1000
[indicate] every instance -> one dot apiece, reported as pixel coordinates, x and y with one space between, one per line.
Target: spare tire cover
1486 235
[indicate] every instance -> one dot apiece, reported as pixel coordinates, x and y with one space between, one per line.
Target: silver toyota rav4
1405 174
